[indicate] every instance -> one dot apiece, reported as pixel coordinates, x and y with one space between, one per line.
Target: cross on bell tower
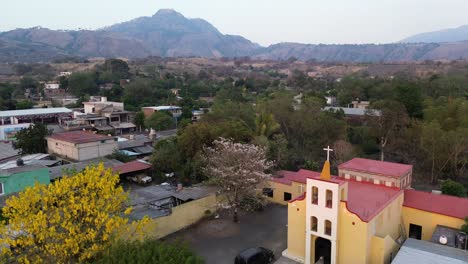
328 149
326 175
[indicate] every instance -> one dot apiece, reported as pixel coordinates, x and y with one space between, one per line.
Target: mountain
446 35
166 33
170 34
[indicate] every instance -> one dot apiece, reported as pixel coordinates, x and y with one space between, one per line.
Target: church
362 215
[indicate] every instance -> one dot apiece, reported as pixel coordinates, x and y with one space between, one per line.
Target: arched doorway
323 249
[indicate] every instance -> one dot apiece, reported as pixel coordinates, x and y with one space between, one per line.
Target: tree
159 121
149 251
464 227
31 140
387 123
450 187
411 98
236 169
24 105
82 83
70 220
166 156
140 120
117 68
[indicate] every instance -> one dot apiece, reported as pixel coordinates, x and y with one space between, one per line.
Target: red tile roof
79 137
437 203
391 169
301 177
132 166
366 200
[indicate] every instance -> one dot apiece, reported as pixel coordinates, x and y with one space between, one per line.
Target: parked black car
256 255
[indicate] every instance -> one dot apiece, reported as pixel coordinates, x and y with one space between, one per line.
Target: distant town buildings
175 111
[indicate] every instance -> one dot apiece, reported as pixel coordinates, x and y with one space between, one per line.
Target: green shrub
148 251
453 188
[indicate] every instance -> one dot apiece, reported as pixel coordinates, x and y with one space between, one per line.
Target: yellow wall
296 229
352 239
371 242
279 189
428 221
182 216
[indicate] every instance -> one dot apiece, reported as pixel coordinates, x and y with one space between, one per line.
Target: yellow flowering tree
71 220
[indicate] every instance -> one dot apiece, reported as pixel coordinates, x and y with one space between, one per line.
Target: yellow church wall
428 221
352 237
279 189
371 242
296 230
383 249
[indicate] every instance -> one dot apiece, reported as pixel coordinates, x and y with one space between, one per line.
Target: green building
17 179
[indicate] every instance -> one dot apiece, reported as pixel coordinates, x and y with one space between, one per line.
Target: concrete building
79 145
93 107
360 104
45 115
348 220
175 111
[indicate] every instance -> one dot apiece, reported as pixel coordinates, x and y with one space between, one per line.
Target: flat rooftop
391 169
164 107
35 111
419 251
79 137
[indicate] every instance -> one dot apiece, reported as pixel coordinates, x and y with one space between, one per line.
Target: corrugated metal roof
418 251
7 151
57 171
353 111
36 111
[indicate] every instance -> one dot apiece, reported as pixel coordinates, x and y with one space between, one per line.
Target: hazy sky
262 21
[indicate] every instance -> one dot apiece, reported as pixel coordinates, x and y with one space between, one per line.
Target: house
80 145
104 117
197 115
52 86
45 160
64 74
360 104
175 111
44 115
361 216
16 179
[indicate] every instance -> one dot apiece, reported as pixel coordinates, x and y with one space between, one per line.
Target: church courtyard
218 241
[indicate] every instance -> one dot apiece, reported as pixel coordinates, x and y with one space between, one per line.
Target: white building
93 107
52 86
176 111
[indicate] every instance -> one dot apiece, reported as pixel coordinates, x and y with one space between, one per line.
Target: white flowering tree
237 169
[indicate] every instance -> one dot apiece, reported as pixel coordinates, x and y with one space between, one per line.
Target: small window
2 191
313 223
287 196
268 192
103 141
328 227
329 197
314 195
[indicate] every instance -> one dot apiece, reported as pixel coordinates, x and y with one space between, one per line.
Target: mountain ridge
168 33
440 36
